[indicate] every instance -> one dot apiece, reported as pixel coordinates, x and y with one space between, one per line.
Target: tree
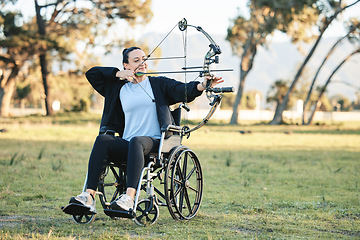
18 45
249 100
317 103
330 10
61 25
69 16
352 35
246 35
21 93
277 92
227 101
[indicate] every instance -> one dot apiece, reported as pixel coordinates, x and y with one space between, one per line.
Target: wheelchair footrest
77 209
120 214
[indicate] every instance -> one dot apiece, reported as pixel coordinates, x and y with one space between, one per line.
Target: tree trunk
317 73
246 64
7 90
44 74
278 119
5 99
235 113
317 105
43 62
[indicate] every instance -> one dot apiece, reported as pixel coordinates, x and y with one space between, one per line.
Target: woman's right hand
126 74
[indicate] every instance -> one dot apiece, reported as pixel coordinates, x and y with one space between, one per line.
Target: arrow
186 71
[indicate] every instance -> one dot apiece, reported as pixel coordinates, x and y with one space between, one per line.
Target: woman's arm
98 76
175 90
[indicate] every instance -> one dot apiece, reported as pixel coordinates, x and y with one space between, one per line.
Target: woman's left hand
214 81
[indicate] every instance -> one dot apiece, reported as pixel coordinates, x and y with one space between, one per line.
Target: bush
82 106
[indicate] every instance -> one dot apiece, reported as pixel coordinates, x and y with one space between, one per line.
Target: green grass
276 182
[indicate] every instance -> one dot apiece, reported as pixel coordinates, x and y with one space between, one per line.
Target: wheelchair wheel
111 185
83 219
183 183
146 213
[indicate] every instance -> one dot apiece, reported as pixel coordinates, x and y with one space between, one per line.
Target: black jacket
166 92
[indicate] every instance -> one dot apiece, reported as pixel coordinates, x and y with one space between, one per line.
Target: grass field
273 182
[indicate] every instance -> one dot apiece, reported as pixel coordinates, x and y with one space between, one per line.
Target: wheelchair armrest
172 128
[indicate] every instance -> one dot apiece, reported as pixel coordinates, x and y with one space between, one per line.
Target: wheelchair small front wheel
83 219
147 212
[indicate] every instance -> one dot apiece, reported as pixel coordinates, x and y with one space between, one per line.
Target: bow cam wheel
182 24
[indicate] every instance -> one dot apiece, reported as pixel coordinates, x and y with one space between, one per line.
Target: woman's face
136 61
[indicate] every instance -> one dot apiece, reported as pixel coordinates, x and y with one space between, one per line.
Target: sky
214 16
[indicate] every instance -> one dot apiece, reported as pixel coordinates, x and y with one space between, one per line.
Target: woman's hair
126 52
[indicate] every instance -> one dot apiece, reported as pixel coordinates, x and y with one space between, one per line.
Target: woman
136 106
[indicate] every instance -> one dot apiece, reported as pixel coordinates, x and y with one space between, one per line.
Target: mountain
279 60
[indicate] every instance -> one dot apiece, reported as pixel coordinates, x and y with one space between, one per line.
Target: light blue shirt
140 110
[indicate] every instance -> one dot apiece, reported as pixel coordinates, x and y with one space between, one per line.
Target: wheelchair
175 165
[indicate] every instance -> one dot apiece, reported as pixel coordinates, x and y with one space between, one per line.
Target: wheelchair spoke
190 173
88 217
148 218
179 189
185 166
78 217
116 193
140 209
177 181
187 201
195 190
139 218
179 173
181 200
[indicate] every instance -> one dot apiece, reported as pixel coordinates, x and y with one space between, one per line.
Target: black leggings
108 148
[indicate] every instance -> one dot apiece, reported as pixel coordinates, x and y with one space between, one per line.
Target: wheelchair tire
183 184
147 212
83 219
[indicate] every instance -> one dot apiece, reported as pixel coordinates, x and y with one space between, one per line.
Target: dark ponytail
126 52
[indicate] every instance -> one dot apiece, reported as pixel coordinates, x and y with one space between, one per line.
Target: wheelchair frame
182 188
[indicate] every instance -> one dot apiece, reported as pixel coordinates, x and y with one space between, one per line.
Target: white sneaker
123 203
84 199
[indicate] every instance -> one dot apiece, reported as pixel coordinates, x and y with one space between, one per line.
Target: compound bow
212 56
